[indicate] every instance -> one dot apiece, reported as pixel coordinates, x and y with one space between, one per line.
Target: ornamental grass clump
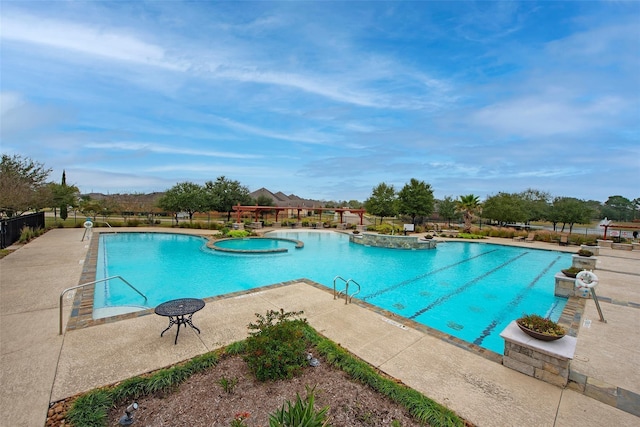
300 413
541 325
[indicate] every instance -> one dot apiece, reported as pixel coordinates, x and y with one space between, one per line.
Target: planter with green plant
585 252
571 271
591 246
540 327
584 260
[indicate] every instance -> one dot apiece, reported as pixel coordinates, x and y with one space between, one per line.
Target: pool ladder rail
338 294
92 283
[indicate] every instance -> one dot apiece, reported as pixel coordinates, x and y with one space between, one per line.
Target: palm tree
468 205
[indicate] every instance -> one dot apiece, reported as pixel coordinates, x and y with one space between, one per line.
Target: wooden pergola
258 209
618 227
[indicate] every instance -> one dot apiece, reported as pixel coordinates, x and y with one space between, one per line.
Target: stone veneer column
546 360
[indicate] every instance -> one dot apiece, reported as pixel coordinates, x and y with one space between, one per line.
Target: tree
468 205
505 208
416 200
618 208
64 203
264 200
447 209
354 204
183 197
64 196
535 204
223 194
569 210
91 207
22 183
382 202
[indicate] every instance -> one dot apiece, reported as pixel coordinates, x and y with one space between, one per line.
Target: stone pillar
565 286
548 361
584 262
604 243
594 249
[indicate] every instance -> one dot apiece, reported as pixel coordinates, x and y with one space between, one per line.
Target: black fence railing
11 228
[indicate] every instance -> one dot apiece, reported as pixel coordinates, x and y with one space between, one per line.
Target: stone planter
545 360
565 286
584 262
635 246
594 249
622 246
604 243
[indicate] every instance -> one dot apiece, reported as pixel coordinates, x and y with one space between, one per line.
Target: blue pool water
468 290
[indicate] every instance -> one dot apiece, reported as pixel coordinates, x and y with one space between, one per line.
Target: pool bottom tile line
462 288
422 276
512 304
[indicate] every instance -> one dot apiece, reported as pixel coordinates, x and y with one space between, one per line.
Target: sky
326 100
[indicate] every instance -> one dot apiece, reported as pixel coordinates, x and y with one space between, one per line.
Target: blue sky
326 100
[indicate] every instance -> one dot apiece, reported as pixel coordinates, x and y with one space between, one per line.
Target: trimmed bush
276 349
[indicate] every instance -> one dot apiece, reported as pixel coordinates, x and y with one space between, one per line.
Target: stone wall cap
563 348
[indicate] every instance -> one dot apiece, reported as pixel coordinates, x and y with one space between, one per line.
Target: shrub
228 384
133 222
385 228
276 347
237 234
26 234
470 236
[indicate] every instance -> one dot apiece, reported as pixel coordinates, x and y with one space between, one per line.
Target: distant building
282 200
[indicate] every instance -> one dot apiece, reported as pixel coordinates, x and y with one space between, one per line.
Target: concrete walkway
39 366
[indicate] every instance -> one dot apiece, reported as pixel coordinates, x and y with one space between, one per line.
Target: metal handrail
355 293
336 294
347 298
93 283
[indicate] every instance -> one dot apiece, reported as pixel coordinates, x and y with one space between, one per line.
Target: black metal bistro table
179 312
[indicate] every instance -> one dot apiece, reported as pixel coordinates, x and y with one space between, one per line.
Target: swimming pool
468 290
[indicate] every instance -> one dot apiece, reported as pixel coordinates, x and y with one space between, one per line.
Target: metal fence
10 229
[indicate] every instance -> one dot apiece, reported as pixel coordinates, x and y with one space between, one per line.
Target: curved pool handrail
93 283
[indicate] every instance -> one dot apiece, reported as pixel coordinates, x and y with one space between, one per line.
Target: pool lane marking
422 276
464 287
105 268
508 309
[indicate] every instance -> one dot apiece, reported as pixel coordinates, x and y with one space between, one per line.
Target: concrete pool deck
38 366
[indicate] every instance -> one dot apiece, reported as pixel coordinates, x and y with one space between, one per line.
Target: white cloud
547 115
163 149
71 36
